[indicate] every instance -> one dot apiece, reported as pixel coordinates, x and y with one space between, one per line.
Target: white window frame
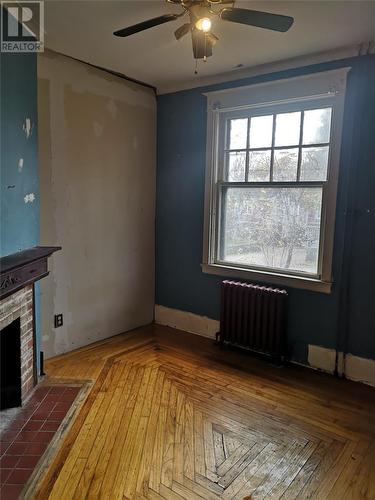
326 89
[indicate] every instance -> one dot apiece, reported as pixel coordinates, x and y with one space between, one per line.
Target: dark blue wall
19 220
341 319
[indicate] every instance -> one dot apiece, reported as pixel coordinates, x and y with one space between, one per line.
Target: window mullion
272 147
300 146
267 184
247 150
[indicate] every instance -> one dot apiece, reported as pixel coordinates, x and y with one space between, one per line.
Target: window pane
317 126
236 166
314 164
261 131
238 133
287 129
285 164
275 228
259 166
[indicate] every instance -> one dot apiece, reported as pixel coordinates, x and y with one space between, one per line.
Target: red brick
40 415
33 425
57 415
26 436
28 461
36 448
73 390
57 389
51 425
47 405
9 461
4 447
11 491
62 406
17 449
67 397
4 474
19 476
43 437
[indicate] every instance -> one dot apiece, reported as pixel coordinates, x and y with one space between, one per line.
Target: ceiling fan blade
182 31
145 25
257 18
202 44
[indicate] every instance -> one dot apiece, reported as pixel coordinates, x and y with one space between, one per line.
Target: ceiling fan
201 13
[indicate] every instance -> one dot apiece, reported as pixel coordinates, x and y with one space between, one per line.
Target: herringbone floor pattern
164 422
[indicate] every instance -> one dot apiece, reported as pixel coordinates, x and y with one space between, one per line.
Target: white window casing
324 89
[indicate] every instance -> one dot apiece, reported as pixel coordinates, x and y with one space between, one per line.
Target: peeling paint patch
29 198
20 165
27 127
98 129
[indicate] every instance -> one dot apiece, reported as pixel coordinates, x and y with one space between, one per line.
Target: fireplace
17 329
10 365
18 354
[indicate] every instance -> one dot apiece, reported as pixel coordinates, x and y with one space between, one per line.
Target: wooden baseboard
351 367
187 321
319 358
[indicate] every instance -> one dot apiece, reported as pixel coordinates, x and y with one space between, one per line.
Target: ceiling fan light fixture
204 24
199 25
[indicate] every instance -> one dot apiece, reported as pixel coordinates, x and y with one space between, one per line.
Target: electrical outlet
58 320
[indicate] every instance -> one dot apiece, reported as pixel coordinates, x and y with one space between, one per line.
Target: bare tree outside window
271 218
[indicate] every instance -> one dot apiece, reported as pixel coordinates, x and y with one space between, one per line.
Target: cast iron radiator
253 317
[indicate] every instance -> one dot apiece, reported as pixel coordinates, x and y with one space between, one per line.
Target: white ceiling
83 29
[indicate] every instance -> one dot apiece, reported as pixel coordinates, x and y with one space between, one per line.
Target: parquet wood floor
170 416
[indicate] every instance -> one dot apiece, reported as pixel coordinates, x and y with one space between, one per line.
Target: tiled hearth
29 432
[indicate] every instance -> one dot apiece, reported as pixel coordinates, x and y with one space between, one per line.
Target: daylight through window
273 153
278 165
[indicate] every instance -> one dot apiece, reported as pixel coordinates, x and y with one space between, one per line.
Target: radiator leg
217 339
278 360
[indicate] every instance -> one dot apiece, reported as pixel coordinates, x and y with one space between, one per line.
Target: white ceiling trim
295 62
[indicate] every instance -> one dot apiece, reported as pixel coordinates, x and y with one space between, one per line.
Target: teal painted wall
19 219
342 319
19 183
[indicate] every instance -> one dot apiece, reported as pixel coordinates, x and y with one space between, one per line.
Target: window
271 183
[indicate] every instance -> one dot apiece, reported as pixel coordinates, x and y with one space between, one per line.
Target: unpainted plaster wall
97 150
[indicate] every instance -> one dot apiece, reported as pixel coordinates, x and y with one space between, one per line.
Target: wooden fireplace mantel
22 268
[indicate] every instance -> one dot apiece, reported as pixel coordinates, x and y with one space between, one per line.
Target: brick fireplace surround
21 305
18 273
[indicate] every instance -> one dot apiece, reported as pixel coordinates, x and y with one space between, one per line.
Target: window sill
285 280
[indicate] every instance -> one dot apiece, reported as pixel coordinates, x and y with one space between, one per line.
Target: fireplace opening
10 371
